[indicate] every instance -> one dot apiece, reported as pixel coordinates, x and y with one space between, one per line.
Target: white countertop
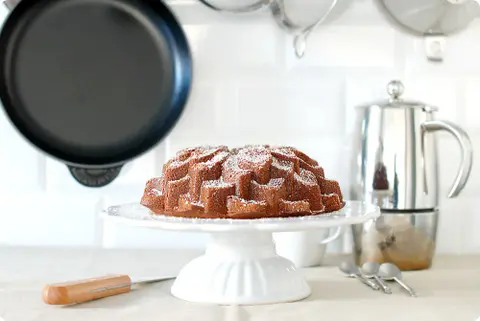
449 291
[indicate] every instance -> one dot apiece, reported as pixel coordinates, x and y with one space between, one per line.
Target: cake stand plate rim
136 215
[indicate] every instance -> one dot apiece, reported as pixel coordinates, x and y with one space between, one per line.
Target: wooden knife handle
86 290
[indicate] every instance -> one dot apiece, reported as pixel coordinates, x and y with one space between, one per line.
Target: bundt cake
246 183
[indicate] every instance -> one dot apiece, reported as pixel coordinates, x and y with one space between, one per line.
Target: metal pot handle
250 8
467 151
277 8
300 42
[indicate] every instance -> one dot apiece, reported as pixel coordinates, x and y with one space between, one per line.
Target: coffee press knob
395 89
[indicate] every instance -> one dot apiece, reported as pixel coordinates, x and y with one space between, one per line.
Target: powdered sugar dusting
231 163
218 168
282 164
286 151
178 162
306 177
254 155
218 158
217 183
236 198
276 182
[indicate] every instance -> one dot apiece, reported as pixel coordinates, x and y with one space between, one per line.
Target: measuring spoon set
377 276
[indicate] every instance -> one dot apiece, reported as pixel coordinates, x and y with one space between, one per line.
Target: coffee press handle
465 145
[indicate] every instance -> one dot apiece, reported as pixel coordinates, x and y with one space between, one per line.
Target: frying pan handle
95 177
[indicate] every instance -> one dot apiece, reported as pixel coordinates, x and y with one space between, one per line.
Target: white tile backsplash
472 104
250 88
18 157
224 47
361 90
439 91
359 48
461 54
320 114
470 235
47 219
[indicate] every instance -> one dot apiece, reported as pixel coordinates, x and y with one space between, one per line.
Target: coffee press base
407 239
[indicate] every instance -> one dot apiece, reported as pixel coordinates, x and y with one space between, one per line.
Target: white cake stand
240 265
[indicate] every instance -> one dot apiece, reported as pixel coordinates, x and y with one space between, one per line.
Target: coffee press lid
395 90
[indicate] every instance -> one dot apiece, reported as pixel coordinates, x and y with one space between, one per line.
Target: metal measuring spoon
390 272
370 270
351 270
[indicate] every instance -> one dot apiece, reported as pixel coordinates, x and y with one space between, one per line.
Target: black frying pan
94 83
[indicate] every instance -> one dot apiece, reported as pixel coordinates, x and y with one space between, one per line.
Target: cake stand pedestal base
240 265
240 268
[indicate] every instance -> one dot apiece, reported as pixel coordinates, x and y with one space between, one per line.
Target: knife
79 291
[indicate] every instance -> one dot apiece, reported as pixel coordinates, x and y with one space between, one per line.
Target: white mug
305 248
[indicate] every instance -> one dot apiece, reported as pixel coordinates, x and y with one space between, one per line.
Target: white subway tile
47 219
20 162
233 46
138 170
199 114
362 90
343 47
461 54
435 91
472 104
315 107
210 118
262 118
451 225
469 213
457 214
274 113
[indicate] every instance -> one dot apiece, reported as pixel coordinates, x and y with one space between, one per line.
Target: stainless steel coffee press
395 165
